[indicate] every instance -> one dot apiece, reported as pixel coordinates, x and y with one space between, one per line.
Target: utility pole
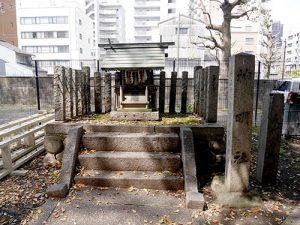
178 43
283 63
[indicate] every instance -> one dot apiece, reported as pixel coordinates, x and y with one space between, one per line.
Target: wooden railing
21 140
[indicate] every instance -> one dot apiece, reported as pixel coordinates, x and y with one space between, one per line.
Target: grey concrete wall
22 90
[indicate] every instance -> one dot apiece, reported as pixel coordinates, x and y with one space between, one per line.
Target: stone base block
194 200
134 116
233 199
58 190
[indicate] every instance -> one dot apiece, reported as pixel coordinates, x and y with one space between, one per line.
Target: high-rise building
148 13
277 30
8 23
293 52
108 22
54 34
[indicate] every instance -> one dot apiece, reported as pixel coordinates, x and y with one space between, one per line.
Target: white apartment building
189 30
14 61
293 52
148 14
108 22
54 34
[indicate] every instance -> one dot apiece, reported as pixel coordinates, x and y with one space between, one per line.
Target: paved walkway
117 207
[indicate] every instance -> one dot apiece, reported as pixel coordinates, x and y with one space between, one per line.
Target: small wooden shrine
134 65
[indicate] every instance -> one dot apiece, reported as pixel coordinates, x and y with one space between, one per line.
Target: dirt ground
21 197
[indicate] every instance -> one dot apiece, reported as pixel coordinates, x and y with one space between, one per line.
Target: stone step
132 142
126 179
131 161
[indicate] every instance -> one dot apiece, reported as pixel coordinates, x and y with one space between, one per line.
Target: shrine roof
134 55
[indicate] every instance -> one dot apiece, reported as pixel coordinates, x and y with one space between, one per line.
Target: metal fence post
37 84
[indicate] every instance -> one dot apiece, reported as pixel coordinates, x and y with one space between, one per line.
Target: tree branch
237 16
210 25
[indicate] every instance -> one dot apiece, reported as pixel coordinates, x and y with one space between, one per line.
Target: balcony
147 4
108 28
108 12
147 14
110 36
108 20
146 23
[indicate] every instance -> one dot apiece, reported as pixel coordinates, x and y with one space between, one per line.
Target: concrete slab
134 116
111 207
131 142
126 179
131 161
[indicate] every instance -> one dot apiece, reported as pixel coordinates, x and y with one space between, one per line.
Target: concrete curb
47 210
69 163
194 199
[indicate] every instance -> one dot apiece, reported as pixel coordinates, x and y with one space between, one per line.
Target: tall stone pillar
202 92
98 94
239 125
196 88
205 75
83 92
69 93
184 87
75 98
162 91
107 92
212 94
172 103
87 85
78 95
270 138
59 93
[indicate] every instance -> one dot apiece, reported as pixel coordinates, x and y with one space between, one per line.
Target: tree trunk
226 51
268 70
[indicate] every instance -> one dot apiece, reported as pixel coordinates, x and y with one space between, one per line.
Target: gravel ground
20 195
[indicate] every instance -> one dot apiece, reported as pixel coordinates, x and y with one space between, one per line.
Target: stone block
239 122
233 199
58 190
53 144
119 128
50 159
194 200
270 139
70 155
212 94
134 116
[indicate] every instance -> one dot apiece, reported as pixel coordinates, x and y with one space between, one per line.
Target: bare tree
269 43
220 34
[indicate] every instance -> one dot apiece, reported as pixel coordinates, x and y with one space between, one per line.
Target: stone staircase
142 160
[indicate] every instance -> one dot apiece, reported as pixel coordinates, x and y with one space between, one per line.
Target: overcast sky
288 12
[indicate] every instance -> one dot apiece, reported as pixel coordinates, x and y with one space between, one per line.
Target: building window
80 22
248 28
249 41
44 34
182 31
47 49
89 41
171 1
62 34
80 50
44 20
171 11
80 36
